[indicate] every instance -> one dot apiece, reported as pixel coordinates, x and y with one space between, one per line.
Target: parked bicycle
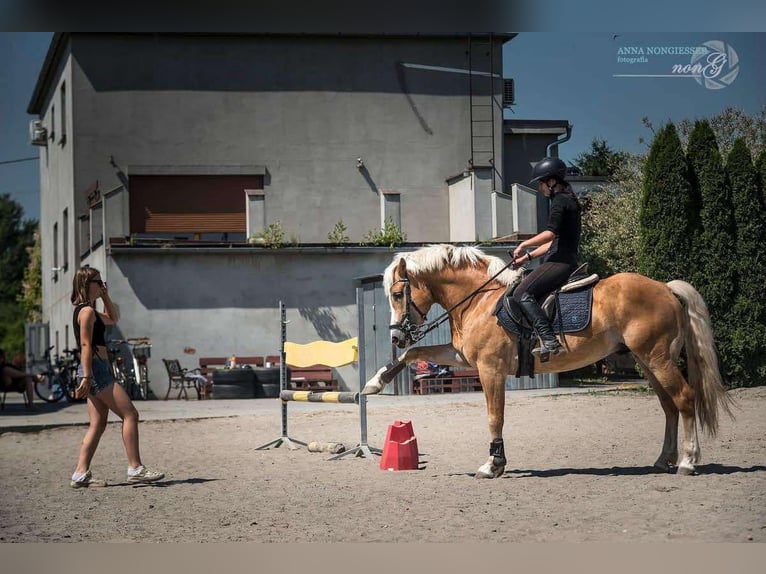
59 379
134 380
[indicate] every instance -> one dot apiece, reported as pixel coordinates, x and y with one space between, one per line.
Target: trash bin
234 383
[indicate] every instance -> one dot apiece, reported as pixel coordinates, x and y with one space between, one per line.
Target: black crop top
99 328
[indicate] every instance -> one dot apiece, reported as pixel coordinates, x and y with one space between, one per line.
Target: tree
16 234
716 274
610 230
749 333
31 298
601 160
730 124
666 215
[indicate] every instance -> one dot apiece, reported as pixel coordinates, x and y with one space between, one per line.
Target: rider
558 243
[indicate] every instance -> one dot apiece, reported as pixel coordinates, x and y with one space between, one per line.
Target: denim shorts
102 375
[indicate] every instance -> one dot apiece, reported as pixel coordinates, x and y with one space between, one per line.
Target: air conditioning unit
38 135
509 97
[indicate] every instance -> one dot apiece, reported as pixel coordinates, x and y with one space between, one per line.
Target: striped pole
320 397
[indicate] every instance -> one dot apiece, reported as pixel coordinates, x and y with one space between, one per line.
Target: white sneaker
145 475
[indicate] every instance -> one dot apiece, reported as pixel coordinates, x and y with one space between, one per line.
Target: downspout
556 143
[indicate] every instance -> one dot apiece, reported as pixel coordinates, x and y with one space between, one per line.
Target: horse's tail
702 360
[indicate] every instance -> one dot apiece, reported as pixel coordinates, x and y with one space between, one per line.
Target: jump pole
284 439
362 449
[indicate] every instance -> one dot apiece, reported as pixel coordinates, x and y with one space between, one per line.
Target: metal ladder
482 102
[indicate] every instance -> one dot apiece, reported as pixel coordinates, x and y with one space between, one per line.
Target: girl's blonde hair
81 284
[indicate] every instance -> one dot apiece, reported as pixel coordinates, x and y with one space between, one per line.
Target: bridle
406 324
415 332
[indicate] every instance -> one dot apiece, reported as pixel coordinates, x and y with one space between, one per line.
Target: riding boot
548 341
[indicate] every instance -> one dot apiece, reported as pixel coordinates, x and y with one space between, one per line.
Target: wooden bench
315 378
460 381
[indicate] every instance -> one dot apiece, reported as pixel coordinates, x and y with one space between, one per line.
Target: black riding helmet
549 167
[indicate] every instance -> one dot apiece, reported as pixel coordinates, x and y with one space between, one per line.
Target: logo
714 64
718 68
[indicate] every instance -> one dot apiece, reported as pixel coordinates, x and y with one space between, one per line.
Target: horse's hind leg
675 385
669 455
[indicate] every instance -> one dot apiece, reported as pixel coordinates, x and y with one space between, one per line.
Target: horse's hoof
685 469
488 470
664 465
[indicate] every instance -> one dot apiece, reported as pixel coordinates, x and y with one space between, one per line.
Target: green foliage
731 124
273 235
31 298
338 235
610 230
667 210
390 235
601 160
748 341
16 235
715 275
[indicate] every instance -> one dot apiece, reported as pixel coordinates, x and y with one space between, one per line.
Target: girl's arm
111 314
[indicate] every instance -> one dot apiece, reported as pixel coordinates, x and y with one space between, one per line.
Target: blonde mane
437 257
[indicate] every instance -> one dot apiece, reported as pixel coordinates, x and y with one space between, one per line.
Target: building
168 159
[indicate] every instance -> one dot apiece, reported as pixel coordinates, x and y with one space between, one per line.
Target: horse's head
409 304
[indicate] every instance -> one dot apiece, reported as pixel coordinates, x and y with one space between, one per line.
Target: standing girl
97 381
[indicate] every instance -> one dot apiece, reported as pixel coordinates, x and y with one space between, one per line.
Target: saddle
568 308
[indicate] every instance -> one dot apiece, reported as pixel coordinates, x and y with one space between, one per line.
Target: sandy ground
579 470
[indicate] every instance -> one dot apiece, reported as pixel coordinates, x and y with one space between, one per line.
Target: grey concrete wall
223 302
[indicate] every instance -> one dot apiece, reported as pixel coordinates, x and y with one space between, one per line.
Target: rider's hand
104 292
518 252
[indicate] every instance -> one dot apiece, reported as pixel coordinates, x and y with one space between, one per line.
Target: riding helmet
549 167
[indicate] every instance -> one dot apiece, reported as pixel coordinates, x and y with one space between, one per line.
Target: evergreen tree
600 160
716 276
749 333
667 211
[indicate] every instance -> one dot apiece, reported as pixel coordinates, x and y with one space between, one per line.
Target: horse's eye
398 296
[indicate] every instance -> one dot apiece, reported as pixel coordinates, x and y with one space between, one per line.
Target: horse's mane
437 257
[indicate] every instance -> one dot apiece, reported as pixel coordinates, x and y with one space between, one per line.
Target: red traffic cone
400 451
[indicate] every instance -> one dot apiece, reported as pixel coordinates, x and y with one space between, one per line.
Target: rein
417 332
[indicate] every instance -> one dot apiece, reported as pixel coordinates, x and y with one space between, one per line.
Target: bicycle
59 379
135 382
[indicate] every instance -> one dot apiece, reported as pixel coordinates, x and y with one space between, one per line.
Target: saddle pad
575 307
504 319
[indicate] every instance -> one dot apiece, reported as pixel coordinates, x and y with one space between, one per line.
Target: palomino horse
654 320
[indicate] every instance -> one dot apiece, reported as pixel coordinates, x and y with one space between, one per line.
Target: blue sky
566 76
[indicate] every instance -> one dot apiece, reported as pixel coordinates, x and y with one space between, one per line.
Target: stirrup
542 349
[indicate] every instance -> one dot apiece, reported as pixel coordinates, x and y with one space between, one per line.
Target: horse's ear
401 269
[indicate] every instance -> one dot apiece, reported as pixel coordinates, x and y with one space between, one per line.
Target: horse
653 320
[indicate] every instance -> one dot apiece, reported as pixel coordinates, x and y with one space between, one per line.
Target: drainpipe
558 142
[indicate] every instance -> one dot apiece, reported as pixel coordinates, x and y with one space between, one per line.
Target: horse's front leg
440 354
493 383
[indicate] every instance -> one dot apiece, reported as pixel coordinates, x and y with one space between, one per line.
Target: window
390 208
84 236
62 105
96 225
65 240
52 135
55 251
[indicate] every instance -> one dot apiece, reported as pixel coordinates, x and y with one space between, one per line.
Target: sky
565 76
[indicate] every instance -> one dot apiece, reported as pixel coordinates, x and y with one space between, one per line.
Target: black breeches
548 277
